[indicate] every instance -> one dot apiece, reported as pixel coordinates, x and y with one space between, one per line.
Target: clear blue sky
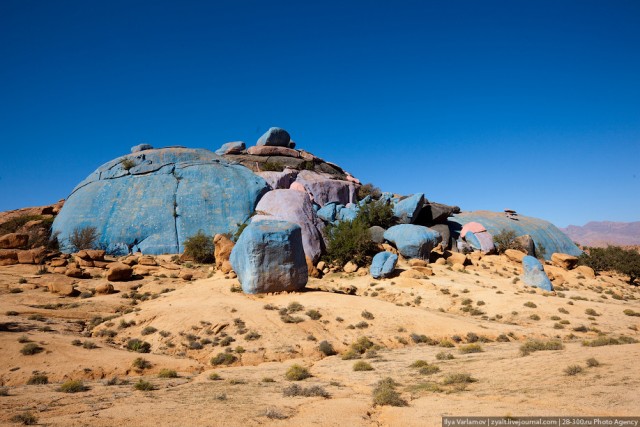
529 105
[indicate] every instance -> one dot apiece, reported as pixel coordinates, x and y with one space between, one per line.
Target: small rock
235 147
58 262
74 272
321 265
119 272
61 287
313 271
141 147
534 274
586 271
383 265
417 262
514 255
458 267
147 260
412 274
456 258
222 249
565 261
8 257
440 261
186 276
226 267
350 267
104 288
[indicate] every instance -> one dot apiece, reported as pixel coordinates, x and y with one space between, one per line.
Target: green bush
26 418
297 373
458 378
200 247
506 239
143 385
326 348
368 189
384 393
271 167
138 346
623 261
348 241
73 386
30 349
361 365
470 348
223 359
537 345
38 379
167 373
84 238
141 363
573 370
378 212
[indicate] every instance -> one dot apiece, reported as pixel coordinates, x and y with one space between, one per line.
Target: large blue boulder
327 213
269 257
155 199
383 265
408 209
543 233
412 241
347 213
275 137
534 274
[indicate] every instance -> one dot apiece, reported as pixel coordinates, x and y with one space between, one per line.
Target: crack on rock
175 208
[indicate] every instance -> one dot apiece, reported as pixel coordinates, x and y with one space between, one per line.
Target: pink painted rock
294 206
279 180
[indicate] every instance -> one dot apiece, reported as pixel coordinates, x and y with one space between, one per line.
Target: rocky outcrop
223 247
534 274
14 241
269 257
324 188
119 272
543 233
265 150
383 265
294 206
412 241
172 193
279 180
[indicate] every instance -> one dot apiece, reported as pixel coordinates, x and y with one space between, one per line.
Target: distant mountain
603 233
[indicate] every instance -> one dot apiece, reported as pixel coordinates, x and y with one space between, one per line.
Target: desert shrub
313 314
141 363
326 348
297 373
591 312
362 344
252 336
138 346
378 213
506 239
143 385
23 339
294 307
312 391
573 370
12 225
148 330
629 312
367 315
592 362
368 189
537 345
73 386
446 343
4 391
214 376
420 338
200 247
89 345
443 355
458 378
623 261
530 304
361 365
384 393
167 373
470 348
127 163
429 370
274 414
38 379
602 341
30 349
84 238
26 418
223 359
348 241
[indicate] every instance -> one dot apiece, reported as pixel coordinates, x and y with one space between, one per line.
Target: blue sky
529 105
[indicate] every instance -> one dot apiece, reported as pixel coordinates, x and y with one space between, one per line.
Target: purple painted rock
294 206
279 180
325 189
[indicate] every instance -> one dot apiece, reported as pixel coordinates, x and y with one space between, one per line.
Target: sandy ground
188 323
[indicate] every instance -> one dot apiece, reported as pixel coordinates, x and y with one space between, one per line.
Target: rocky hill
603 233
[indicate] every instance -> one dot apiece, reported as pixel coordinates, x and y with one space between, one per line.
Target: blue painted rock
408 209
327 213
412 241
324 188
482 241
275 137
534 274
141 147
269 257
154 200
235 147
295 206
347 213
543 233
383 265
